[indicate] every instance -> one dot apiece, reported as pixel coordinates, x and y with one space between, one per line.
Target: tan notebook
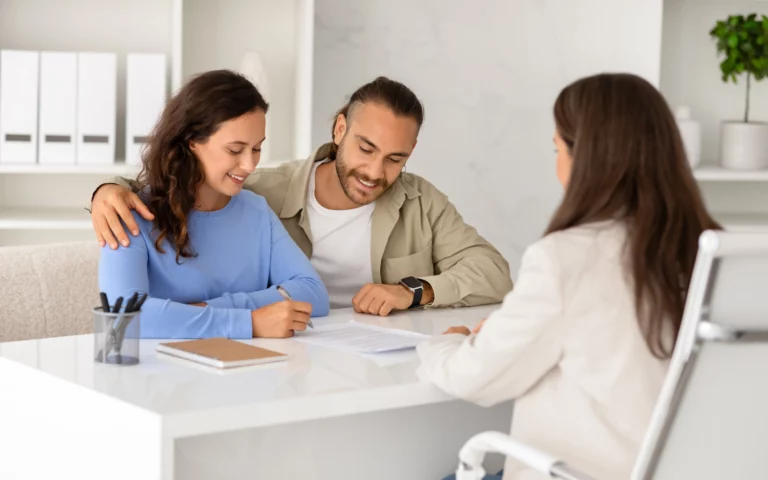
221 352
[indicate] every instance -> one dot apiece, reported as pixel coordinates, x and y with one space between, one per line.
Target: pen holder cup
116 337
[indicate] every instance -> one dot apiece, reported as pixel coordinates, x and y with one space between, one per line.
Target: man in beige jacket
381 240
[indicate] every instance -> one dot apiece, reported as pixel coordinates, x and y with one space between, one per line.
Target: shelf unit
719 174
743 222
690 76
45 203
115 169
44 219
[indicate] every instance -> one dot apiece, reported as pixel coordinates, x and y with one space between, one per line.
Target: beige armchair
47 290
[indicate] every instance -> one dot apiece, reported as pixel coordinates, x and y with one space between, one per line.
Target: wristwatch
416 286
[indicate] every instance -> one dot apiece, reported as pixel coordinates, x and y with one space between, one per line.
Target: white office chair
711 419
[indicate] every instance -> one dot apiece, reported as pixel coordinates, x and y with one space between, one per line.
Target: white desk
325 414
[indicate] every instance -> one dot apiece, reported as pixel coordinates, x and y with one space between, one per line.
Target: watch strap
418 291
417 294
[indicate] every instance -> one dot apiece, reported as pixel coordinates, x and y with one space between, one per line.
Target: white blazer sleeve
516 347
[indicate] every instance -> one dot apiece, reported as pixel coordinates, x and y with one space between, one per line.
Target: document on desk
362 338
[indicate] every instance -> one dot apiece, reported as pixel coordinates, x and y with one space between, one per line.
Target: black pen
131 302
134 305
115 324
104 302
116 309
101 357
141 301
118 304
122 324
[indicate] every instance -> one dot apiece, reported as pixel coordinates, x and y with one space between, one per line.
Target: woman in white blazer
583 341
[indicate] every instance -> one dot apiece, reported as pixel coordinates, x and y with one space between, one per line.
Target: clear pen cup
116 337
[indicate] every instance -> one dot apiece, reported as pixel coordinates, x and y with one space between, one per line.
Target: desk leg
168 463
419 443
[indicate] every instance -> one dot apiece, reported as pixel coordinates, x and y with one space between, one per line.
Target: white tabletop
317 382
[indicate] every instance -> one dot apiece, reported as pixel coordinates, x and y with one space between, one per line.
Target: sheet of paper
362 338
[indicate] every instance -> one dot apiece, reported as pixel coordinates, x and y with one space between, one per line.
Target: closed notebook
221 352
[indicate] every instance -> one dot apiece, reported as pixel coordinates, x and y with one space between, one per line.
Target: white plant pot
744 146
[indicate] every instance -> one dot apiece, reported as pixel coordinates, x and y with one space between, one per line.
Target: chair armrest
473 453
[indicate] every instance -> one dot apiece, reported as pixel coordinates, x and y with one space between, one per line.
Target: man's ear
340 128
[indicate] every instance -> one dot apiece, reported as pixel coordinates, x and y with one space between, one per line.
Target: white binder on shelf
145 98
19 74
58 108
96 108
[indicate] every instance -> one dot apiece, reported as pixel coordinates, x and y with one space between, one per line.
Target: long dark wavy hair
171 174
629 164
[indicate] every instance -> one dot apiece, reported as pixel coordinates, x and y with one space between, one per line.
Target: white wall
488 73
218 34
690 75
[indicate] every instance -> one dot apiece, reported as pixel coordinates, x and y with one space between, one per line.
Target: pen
101 357
134 305
113 331
110 334
122 324
118 304
131 302
140 302
284 293
104 302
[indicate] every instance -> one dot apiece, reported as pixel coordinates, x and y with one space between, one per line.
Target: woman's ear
192 145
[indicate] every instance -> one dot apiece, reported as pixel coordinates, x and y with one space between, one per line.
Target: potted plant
744 43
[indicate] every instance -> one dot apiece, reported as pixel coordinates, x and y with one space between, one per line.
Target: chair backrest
712 415
47 290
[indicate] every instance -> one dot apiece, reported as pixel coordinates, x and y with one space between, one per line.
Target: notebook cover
225 350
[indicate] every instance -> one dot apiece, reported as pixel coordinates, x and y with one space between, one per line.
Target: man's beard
345 175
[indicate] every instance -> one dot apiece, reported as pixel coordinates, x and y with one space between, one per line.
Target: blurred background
487 71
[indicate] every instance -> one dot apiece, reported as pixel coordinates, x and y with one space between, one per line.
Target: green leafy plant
744 42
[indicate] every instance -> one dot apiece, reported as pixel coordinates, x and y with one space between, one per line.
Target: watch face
412 282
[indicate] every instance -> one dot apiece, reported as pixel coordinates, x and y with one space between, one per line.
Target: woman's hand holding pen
278 320
281 319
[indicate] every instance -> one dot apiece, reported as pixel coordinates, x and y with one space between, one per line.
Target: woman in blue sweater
213 255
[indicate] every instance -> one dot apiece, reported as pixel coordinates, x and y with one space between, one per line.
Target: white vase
690 132
252 68
744 146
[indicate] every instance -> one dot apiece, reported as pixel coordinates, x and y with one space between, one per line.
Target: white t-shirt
341 247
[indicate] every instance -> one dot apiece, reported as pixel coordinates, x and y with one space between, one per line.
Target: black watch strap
417 287
417 294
